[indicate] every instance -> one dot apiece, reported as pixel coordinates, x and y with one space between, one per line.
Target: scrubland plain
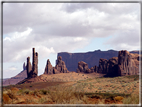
74 88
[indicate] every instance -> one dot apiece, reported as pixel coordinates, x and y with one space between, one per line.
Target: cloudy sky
66 27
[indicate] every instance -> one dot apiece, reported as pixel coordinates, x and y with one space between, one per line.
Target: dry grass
87 91
133 99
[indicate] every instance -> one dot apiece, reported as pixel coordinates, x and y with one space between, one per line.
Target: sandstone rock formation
48 68
125 64
112 67
128 63
102 65
91 58
29 68
32 71
35 64
83 67
60 66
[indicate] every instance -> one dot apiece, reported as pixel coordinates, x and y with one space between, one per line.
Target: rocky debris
48 68
83 67
60 66
32 71
128 64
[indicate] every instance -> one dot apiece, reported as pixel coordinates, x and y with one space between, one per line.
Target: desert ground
74 88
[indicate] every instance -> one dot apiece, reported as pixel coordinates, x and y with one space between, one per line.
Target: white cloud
79 39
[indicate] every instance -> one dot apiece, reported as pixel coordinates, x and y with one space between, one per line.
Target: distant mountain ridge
91 58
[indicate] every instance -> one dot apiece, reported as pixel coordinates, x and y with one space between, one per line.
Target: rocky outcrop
48 68
112 67
55 71
60 66
125 64
83 67
128 64
32 71
102 66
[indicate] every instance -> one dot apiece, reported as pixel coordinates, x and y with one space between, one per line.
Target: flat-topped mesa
128 64
60 66
29 67
48 68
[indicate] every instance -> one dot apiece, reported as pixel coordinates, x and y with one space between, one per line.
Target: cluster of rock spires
32 70
125 64
59 68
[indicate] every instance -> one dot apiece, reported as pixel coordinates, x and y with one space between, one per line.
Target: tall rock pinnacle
32 71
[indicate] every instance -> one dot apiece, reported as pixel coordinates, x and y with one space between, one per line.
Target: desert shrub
118 98
24 91
42 100
6 99
44 92
133 99
14 90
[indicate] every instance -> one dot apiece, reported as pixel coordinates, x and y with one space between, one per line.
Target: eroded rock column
35 64
29 68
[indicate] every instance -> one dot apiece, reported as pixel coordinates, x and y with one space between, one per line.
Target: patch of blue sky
96 43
